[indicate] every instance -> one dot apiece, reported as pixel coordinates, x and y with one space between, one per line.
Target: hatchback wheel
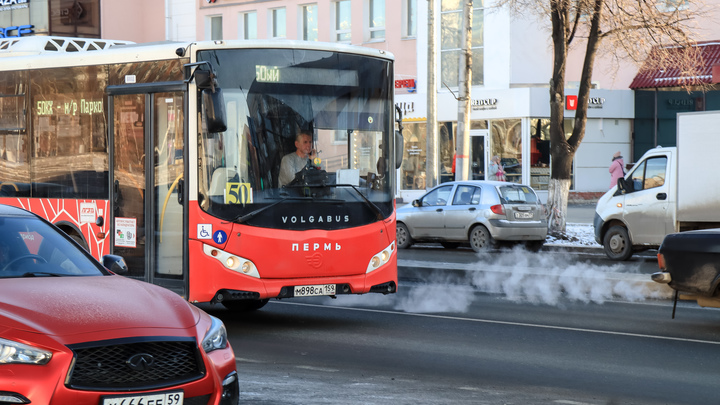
404 240
480 239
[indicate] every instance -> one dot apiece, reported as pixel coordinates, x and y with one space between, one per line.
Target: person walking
617 169
495 169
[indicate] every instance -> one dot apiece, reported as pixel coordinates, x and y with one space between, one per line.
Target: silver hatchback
478 212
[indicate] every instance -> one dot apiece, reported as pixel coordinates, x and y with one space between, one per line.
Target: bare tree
647 32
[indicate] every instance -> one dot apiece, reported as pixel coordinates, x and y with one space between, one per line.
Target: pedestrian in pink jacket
617 169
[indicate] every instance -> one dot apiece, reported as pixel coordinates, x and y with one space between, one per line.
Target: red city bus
170 156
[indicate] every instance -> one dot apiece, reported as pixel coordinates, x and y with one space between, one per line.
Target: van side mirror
624 186
214 109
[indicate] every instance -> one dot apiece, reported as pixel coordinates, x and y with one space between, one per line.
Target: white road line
490 321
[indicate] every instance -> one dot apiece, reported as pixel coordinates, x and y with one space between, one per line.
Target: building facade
512 60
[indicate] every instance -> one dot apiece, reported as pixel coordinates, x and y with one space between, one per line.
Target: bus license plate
157 398
313 290
523 215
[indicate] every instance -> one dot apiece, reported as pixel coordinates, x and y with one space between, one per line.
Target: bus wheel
244 305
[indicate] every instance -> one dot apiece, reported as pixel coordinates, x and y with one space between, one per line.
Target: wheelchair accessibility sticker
204 231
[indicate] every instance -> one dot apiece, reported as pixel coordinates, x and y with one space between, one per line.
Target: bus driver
296 161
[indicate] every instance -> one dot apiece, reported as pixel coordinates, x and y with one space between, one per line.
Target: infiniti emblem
140 362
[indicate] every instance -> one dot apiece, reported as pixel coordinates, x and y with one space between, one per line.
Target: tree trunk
559 185
557 205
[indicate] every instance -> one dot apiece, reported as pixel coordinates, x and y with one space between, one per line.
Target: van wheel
617 243
404 240
481 240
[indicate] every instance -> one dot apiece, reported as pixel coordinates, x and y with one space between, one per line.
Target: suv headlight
216 337
18 353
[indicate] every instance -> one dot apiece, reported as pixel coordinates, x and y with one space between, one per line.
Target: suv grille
132 364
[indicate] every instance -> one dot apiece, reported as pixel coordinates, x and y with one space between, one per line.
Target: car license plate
313 290
156 398
523 215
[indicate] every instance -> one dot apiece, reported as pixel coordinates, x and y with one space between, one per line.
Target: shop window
540 152
506 142
413 175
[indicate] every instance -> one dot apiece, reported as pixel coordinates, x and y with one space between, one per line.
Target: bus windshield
275 99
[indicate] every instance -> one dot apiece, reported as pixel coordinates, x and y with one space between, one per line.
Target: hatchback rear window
516 194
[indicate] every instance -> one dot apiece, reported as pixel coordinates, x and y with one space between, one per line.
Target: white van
668 190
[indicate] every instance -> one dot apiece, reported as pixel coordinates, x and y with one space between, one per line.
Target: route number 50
238 193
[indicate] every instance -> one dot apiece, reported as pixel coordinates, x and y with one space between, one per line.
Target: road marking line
329 370
490 321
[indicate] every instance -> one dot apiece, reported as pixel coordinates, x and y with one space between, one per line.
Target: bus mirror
203 79
399 149
214 107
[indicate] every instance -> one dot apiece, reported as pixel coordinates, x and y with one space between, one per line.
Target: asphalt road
452 343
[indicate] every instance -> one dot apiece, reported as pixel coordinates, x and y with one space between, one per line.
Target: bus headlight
231 261
381 258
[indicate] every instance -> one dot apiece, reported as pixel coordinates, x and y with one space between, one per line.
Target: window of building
277 23
451 38
669 6
376 20
409 18
309 22
540 152
216 28
341 16
247 25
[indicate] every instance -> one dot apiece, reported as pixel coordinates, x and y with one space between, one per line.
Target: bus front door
147 186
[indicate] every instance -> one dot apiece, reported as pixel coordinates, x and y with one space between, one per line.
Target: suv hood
76 305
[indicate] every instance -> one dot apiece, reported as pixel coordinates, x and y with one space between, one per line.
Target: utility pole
431 164
462 141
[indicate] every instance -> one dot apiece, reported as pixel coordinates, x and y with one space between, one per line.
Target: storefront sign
406 107
484 104
7 5
16 31
409 84
596 102
571 103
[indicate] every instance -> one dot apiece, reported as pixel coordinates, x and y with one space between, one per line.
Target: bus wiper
240 219
369 203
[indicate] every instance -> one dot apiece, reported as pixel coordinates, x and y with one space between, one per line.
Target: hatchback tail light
498 209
